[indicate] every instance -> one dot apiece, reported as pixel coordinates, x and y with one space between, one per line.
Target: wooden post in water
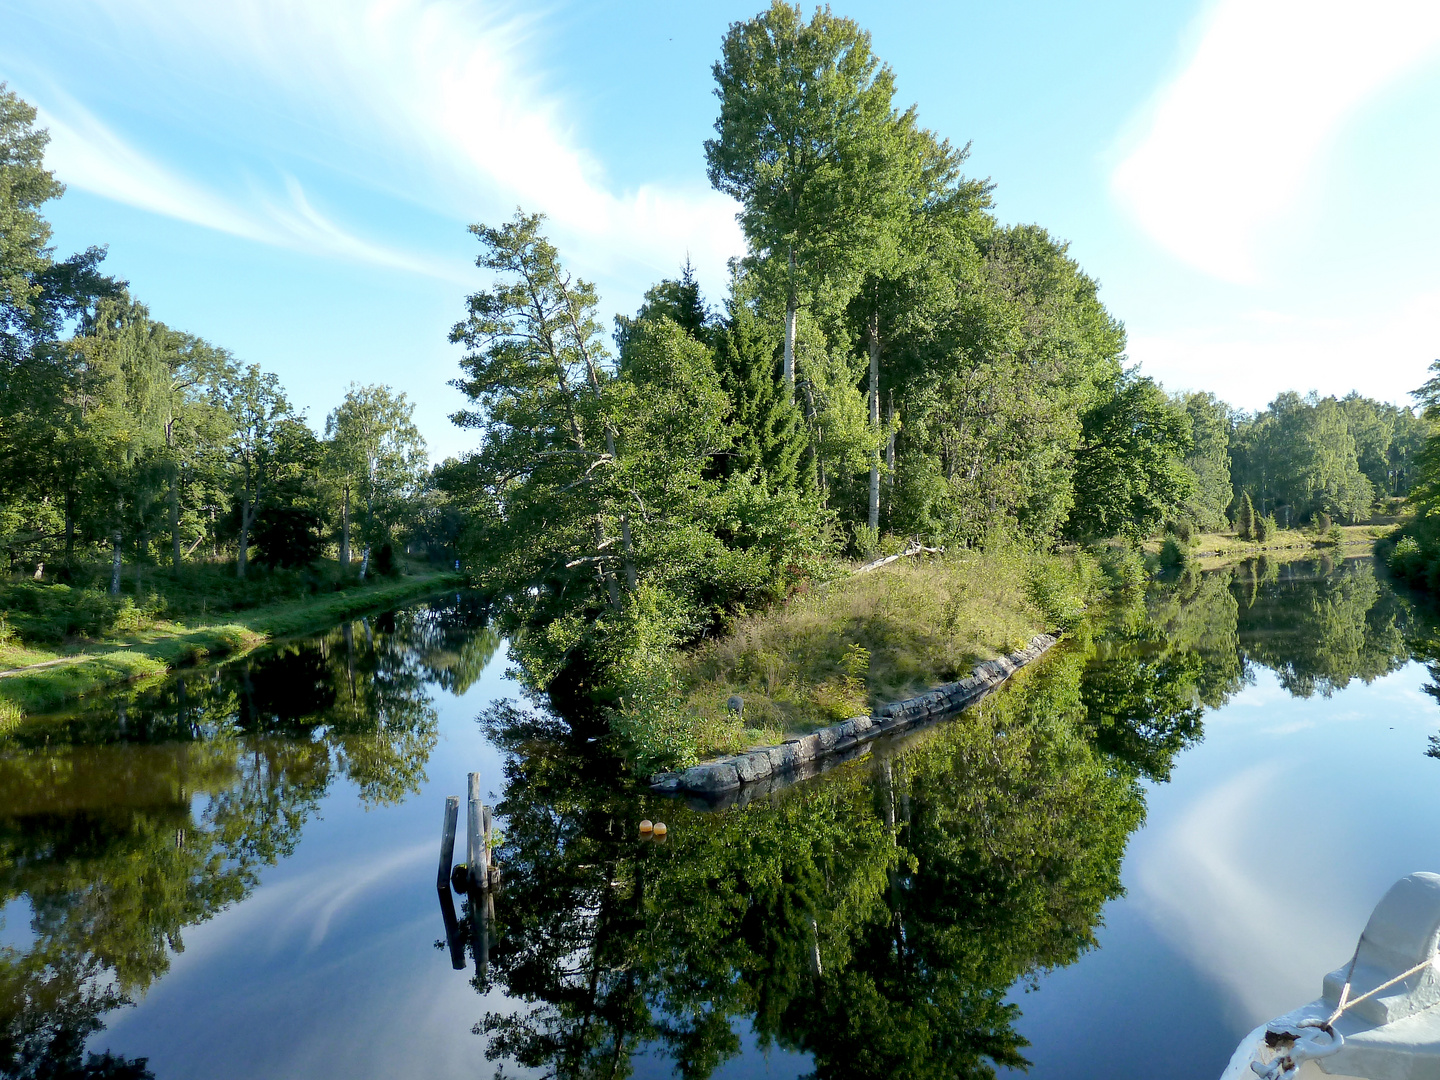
475 861
452 924
485 832
447 841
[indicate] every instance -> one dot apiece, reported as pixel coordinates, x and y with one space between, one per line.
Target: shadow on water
877 920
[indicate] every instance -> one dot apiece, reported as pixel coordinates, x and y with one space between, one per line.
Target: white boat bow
1377 1016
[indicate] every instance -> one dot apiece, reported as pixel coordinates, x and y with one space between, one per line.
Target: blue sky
1251 181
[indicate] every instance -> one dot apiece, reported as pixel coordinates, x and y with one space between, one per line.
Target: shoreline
794 758
51 683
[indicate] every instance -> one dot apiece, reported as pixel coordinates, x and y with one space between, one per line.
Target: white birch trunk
874 518
115 541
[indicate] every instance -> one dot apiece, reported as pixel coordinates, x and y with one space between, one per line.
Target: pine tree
764 423
1263 529
676 298
1245 520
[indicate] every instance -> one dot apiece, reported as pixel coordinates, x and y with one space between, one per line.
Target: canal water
1163 834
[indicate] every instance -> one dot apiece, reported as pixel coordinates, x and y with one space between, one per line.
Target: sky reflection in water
309 925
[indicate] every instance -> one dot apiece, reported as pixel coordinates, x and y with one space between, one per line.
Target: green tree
1131 463
374 450
765 425
678 300
1245 518
1209 459
806 141
1008 345
1299 457
540 523
46 449
261 447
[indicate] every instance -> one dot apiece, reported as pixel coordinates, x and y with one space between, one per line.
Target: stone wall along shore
765 765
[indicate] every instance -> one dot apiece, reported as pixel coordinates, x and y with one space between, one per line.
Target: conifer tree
765 424
1245 519
679 300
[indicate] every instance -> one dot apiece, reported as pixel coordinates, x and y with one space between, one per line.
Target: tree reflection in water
875 920
881 918
124 824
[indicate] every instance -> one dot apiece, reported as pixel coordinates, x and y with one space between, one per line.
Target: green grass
873 638
142 645
1214 549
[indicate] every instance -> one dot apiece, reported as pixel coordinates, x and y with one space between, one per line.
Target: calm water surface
1139 849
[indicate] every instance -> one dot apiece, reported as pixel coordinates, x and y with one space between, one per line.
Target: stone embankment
767 768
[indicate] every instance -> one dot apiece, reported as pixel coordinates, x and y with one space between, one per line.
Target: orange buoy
659 828
645 826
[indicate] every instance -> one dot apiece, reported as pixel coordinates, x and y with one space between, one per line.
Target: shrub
1182 531
1058 590
1336 535
1262 529
40 612
1322 524
867 540
385 560
1407 559
1123 567
287 536
1173 554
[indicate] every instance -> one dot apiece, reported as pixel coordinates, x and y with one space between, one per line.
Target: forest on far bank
891 363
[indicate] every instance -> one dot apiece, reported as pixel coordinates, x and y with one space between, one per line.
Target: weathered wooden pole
474 835
452 924
447 841
485 834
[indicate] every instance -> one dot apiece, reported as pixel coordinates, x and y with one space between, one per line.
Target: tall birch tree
806 141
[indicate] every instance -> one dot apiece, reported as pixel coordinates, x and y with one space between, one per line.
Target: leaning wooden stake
447 840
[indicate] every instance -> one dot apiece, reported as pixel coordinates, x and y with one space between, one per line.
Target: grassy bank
867 639
1212 549
143 642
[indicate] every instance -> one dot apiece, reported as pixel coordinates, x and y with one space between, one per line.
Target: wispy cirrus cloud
89 155
1231 143
428 101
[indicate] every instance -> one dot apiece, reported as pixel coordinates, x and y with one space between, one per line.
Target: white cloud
1252 359
430 101
87 154
1227 148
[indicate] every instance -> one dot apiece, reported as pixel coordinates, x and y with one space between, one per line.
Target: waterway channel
1162 834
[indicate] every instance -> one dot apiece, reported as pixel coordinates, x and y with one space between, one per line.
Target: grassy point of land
1210 550
841 650
154 646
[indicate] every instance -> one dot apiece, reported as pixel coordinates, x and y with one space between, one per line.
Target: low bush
1174 555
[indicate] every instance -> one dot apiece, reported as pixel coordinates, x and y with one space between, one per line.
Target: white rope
1344 993
1345 990
1288 1062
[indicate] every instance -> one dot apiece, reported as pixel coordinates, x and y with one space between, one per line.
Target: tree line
890 362
123 438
